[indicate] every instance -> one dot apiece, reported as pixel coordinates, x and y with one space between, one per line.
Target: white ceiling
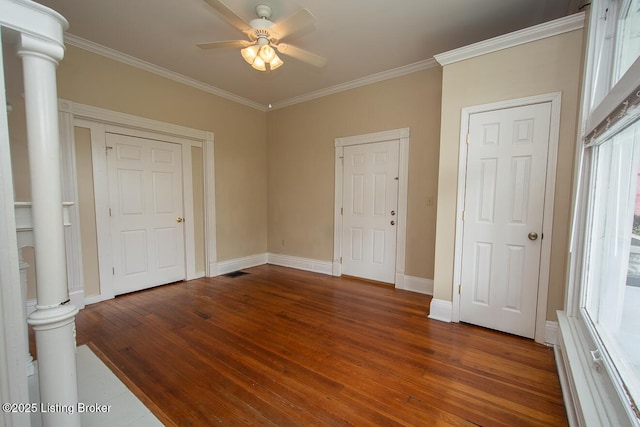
359 38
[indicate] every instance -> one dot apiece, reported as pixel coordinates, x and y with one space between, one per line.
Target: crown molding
116 55
373 78
163 72
527 35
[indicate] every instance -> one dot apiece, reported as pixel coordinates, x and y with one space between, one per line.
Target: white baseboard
337 268
93 299
212 271
195 275
77 298
441 310
316 266
410 283
224 267
550 332
417 284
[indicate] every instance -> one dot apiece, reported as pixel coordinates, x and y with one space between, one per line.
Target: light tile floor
97 384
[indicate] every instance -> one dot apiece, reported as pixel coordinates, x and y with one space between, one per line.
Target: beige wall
239 136
275 171
87 211
544 66
301 163
198 206
239 146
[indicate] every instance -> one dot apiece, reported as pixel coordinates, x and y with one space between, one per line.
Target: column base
55 331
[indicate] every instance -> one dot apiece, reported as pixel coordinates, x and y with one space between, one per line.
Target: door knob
533 236
179 219
393 222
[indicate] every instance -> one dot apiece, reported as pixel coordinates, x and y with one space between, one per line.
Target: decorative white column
54 318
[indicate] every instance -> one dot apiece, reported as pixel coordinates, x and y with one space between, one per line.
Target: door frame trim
550 185
100 121
402 135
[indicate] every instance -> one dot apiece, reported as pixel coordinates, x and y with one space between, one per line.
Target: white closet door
145 192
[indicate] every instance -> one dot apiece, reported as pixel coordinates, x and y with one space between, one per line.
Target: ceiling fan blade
302 55
292 24
228 15
228 43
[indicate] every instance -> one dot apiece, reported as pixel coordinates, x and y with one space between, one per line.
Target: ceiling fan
264 37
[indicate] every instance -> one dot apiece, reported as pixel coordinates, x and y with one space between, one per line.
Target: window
612 282
604 287
627 38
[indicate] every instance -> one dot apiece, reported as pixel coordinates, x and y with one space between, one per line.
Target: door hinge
109 211
341 211
113 271
468 138
340 260
463 215
459 289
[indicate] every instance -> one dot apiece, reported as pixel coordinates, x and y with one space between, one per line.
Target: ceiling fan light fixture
267 53
259 64
250 53
276 62
264 36
258 56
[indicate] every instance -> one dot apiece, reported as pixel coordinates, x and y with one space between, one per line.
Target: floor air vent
234 274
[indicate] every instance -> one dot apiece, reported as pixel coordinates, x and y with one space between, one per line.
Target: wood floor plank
286 347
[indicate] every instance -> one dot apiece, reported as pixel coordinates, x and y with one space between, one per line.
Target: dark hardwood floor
289 348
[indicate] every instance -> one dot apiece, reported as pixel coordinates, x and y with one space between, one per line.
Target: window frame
598 392
608 356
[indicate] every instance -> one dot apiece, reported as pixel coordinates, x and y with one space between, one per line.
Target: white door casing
370 205
504 205
145 193
100 122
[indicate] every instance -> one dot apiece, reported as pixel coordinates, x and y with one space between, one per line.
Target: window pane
604 51
628 38
613 287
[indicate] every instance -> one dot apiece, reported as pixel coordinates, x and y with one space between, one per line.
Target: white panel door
145 195
370 204
503 212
